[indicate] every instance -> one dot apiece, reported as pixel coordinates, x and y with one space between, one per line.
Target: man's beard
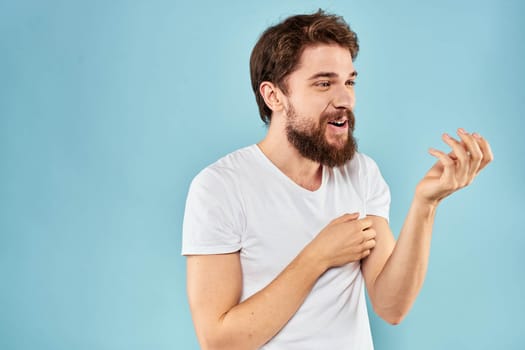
311 142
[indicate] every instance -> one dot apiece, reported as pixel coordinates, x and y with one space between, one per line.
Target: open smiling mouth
337 123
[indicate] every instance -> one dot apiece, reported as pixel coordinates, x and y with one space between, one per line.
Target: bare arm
215 283
214 289
394 272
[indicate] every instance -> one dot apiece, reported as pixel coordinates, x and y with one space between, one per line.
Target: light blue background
109 108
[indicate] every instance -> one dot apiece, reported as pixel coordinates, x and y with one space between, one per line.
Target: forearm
401 279
215 285
253 322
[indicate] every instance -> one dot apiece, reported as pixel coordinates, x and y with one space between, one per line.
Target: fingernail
461 130
476 135
446 135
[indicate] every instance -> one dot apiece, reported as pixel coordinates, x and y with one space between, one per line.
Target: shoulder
215 196
214 216
226 171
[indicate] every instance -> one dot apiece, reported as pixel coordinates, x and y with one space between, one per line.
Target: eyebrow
329 75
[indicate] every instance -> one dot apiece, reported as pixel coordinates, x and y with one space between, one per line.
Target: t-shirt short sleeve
213 215
377 191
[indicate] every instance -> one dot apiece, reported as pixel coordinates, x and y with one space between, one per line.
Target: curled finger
371 243
365 224
449 165
365 253
473 152
463 158
486 151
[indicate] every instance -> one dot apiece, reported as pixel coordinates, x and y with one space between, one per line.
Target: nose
344 97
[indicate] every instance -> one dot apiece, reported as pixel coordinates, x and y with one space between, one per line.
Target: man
282 237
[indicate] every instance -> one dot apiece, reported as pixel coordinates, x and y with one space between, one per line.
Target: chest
281 222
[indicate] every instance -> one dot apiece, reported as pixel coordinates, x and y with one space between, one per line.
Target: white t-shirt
244 203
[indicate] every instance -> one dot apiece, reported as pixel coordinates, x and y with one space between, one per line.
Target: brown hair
278 50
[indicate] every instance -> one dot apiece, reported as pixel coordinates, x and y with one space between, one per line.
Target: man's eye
323 84
350 82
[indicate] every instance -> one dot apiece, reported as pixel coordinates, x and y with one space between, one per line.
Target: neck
303 171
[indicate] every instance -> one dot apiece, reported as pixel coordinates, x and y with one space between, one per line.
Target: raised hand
457 169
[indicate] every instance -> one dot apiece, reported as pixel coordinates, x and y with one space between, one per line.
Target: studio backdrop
108 109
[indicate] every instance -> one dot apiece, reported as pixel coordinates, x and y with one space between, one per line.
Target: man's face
319 105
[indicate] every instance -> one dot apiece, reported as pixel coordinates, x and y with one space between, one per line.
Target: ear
273 96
